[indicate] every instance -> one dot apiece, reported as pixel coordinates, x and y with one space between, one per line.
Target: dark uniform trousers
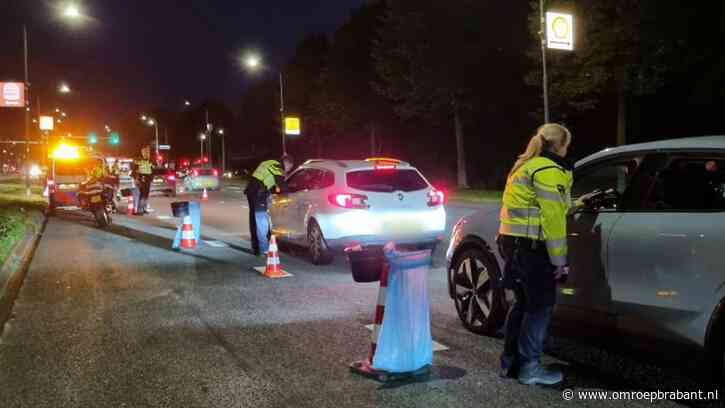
529 273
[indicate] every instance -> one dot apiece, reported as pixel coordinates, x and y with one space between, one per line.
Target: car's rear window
386 181
162 172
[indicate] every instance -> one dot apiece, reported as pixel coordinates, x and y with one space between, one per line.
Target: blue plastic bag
405 343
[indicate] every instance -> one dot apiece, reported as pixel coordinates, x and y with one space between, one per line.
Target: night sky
134 54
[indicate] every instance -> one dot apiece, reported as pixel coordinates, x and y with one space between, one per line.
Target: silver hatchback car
334 204
646 260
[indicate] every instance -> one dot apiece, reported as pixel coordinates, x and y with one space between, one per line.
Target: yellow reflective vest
536 201
266 172
144 166
98 172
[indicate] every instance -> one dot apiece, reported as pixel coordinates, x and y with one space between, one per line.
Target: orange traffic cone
188 239
129 208
274 269
204 195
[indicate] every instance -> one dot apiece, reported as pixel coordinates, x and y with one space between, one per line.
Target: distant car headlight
35 171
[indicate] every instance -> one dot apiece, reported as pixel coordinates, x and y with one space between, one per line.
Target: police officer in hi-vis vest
267 178
143 174
532 241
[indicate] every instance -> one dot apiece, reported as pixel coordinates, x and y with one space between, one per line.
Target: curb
17 265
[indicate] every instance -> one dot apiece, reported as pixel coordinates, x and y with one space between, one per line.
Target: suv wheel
480 303
319 252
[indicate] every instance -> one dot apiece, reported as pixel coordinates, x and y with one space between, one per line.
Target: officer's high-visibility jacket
98 172
269 172
536 201
144 166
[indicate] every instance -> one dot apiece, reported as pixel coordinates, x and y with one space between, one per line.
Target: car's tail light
216 173
171 177
196 173
346 200
436 198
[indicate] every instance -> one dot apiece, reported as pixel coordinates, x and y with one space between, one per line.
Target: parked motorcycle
97 198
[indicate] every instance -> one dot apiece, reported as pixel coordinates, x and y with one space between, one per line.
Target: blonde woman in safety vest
532 241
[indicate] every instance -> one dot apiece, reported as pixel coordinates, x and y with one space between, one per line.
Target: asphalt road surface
116 318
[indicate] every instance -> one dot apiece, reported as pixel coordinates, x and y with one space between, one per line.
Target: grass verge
15 209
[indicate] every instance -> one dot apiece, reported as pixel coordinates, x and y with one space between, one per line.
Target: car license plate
158 180
403 227
96 199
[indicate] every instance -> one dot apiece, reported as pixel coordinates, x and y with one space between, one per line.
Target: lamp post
254 63
544 79
71 12
153 122
224 156
202 138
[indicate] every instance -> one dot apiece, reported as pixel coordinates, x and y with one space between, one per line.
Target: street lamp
187 103
71 11
220 131
253 63
202 138
152 122
64 88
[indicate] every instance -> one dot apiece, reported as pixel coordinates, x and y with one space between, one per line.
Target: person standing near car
143 170
532 242
267 178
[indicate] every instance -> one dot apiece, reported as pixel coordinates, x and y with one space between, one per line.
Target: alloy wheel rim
473 293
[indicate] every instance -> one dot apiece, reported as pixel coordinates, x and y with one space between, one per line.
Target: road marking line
217 244
436 346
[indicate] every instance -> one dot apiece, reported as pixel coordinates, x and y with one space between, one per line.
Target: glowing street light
64 88
187 103
152 122
252 61
72 11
